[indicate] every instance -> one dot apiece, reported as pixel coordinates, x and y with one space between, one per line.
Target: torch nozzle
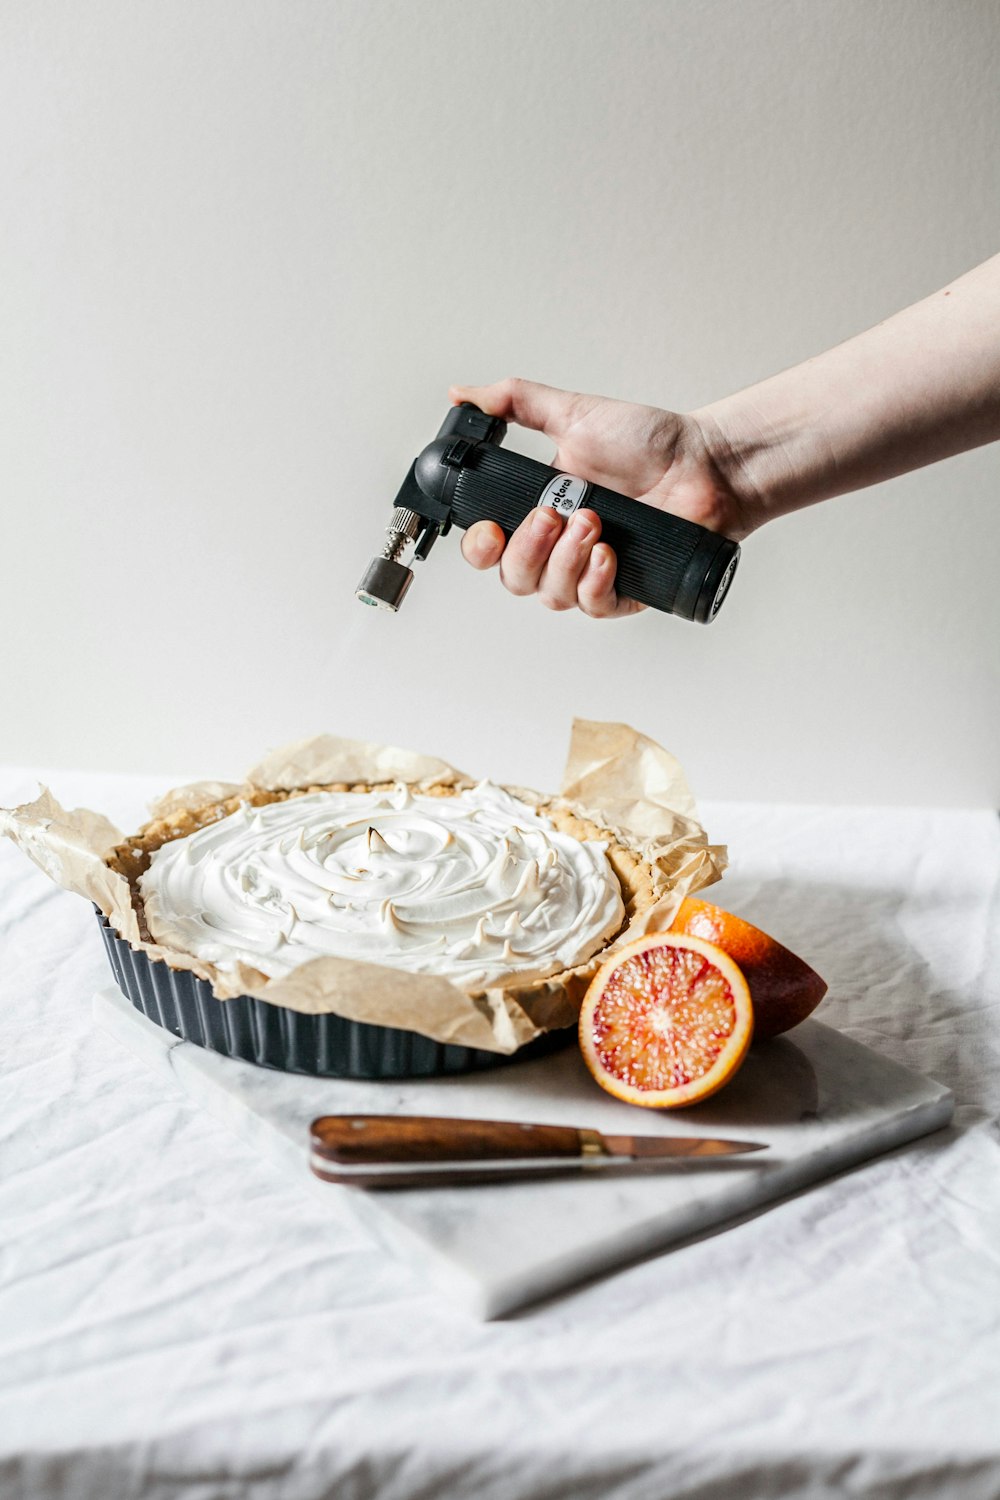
386 579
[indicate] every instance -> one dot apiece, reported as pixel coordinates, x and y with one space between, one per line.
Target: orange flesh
663 1018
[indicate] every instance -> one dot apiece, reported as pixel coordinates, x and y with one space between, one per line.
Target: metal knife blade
643 1147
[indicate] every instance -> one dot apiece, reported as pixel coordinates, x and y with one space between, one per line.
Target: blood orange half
666 1021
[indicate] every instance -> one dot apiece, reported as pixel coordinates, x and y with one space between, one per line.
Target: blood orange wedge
783 988
666 1021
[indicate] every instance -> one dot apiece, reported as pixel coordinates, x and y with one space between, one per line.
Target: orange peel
783 988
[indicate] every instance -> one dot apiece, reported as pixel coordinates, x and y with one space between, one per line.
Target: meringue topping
475 887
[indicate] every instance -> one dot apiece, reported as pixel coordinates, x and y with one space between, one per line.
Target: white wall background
247 244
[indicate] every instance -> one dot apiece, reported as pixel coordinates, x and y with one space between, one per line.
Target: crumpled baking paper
614 776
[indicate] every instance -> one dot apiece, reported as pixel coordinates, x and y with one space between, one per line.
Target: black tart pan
273 1037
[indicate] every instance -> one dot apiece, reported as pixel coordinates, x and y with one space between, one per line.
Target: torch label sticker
564 493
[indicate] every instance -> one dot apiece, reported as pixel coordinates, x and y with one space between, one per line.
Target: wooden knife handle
402 1138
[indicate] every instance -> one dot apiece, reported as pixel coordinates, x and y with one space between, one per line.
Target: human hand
659 457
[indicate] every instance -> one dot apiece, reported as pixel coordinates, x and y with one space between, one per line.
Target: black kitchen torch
466 476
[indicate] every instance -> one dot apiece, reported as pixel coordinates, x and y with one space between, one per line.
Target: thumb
543 407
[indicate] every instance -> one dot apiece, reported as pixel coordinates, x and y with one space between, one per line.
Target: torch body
663 561
465 476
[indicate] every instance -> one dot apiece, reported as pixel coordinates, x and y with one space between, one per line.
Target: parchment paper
614 776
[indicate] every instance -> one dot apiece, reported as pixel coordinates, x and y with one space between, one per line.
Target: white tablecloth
177 1318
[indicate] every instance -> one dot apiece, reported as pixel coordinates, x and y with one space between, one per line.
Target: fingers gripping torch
465 476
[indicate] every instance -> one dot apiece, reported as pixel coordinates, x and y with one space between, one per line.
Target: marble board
820 1101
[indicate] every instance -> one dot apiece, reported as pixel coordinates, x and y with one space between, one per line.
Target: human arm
920 387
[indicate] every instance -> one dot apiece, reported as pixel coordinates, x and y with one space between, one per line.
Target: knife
382 1151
